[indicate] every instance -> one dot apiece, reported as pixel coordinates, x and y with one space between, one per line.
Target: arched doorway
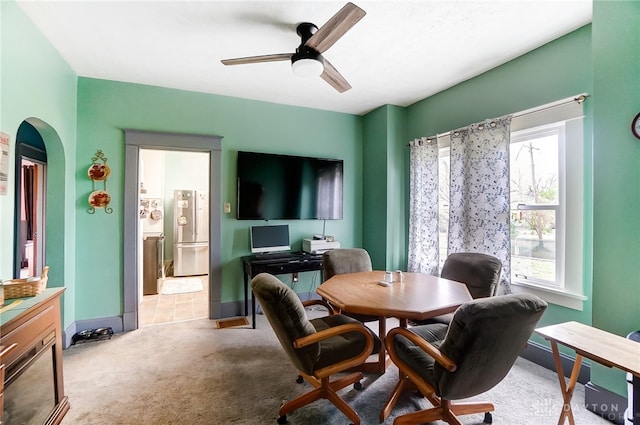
30 202
40 144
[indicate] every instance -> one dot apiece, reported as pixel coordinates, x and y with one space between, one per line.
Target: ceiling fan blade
335 27
258 59
334 78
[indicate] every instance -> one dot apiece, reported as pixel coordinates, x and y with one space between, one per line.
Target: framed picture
4 163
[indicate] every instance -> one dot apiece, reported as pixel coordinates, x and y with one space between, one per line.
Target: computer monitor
270 238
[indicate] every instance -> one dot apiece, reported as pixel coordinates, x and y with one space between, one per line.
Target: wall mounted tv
285 187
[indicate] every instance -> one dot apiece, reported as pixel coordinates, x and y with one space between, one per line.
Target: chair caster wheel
488 419
282 419
357 385
299 379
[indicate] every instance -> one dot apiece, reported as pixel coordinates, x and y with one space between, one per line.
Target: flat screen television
269 239
286 187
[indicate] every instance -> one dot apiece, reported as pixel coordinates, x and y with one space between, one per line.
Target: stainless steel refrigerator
190 233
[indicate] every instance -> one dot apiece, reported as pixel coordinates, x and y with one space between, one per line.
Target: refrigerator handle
194 216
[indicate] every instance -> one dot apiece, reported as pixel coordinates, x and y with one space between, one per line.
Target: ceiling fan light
307 67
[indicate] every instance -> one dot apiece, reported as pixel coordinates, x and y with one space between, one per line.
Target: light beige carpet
191 373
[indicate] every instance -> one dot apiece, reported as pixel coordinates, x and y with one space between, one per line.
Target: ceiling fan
308 59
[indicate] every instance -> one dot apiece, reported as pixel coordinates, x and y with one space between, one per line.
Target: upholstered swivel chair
467 358
480 272
347 260
353 260
318 348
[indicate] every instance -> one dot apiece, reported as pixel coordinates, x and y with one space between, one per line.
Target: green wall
616 172
107 107
77 116
38 86
375 190
557 70
601 59
384 187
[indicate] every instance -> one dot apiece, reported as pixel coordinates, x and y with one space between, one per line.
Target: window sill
551 295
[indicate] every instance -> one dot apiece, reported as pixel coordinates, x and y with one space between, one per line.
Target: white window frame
558 130
569 290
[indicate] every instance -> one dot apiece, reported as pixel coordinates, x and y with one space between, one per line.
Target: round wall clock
635 126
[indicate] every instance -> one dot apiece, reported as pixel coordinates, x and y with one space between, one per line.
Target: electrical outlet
227 207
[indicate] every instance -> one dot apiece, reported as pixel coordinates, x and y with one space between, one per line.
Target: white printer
318 246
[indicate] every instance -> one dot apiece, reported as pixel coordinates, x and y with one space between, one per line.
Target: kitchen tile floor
163 308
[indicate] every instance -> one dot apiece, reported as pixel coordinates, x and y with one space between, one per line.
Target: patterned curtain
423 207
479 193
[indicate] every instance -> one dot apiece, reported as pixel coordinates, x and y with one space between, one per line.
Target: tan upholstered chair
467 358
318 348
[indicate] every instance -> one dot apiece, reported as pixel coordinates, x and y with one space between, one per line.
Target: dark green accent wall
375 189
384 172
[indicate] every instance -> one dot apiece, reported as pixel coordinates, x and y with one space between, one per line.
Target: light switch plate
227 207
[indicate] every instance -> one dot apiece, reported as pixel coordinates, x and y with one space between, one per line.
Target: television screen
285 187
269 238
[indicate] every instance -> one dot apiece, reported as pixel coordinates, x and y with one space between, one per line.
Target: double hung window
547 202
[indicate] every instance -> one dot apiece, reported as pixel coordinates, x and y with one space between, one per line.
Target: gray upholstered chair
347 260
467 358
318 348
354 260
480 272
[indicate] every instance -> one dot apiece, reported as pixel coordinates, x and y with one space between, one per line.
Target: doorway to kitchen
30 205
179 153
173 257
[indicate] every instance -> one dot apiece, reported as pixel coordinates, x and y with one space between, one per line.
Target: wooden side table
595 344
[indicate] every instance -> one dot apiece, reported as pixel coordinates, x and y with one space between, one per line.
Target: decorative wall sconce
99 172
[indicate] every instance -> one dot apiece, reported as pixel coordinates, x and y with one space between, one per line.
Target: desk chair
318 348
479 272
467 358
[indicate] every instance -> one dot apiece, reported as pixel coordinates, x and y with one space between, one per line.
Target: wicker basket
20 288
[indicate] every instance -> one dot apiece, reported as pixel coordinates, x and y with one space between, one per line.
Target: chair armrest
322 303
443 360
338 330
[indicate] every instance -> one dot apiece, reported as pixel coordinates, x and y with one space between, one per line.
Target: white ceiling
399 53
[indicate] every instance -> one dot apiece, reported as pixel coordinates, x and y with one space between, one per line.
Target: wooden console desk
31 337
595 344
275 264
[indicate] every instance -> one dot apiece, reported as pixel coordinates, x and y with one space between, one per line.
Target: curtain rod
578 99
